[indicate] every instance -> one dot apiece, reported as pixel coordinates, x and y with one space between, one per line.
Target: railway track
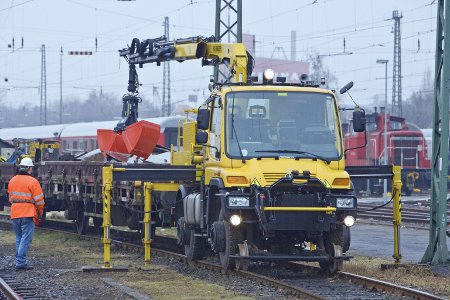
414 215
14 289
6 292
297 280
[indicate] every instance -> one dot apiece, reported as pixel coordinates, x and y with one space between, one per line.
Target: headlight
344 202
269 74
235 220
349 221
238 201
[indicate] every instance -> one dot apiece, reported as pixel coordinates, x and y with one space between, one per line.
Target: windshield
267 124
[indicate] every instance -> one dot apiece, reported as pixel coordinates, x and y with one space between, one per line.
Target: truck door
216 125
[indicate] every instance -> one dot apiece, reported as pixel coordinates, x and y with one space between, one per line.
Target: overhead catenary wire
103 42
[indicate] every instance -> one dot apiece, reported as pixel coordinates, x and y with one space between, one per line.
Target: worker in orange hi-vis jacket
27 206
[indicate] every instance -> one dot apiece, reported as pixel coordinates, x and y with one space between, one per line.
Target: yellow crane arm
233 55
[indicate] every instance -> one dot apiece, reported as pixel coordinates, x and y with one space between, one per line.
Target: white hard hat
26 162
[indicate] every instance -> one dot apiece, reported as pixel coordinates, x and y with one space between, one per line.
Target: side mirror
359 121
201 137
346 87
203 119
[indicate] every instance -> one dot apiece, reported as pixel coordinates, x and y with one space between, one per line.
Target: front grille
298 221
272 177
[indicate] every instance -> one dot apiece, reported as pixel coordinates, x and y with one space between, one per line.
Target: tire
337 235
346 238
195 250
183 235
233 236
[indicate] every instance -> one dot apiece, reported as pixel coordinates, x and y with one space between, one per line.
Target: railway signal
80 52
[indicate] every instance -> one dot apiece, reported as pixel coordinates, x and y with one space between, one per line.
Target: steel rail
373 284
384 286
409 215
9 293
424 209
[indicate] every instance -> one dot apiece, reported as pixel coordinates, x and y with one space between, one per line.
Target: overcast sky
321 27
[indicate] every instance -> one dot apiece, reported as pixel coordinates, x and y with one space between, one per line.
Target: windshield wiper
297 152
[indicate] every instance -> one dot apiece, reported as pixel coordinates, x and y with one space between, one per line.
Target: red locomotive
406 147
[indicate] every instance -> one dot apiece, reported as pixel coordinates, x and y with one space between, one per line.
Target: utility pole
397 72
437 251
386 149
43 111
166 109
227 24
60 85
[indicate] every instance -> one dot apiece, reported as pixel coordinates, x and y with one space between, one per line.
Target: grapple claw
137 139
110 141
141 138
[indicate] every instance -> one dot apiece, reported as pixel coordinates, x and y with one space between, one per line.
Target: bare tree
319 70
98 106
418 108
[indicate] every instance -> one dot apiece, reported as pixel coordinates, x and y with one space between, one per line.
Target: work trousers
24 229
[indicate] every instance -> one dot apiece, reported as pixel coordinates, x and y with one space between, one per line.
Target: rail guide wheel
332 244
244 250
233 237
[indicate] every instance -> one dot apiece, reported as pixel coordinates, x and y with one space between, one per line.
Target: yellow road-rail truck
271 158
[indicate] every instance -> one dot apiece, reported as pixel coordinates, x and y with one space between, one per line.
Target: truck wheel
233 236
195 250
218 237
183 235
346 238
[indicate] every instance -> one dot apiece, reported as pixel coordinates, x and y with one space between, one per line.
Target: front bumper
289 206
